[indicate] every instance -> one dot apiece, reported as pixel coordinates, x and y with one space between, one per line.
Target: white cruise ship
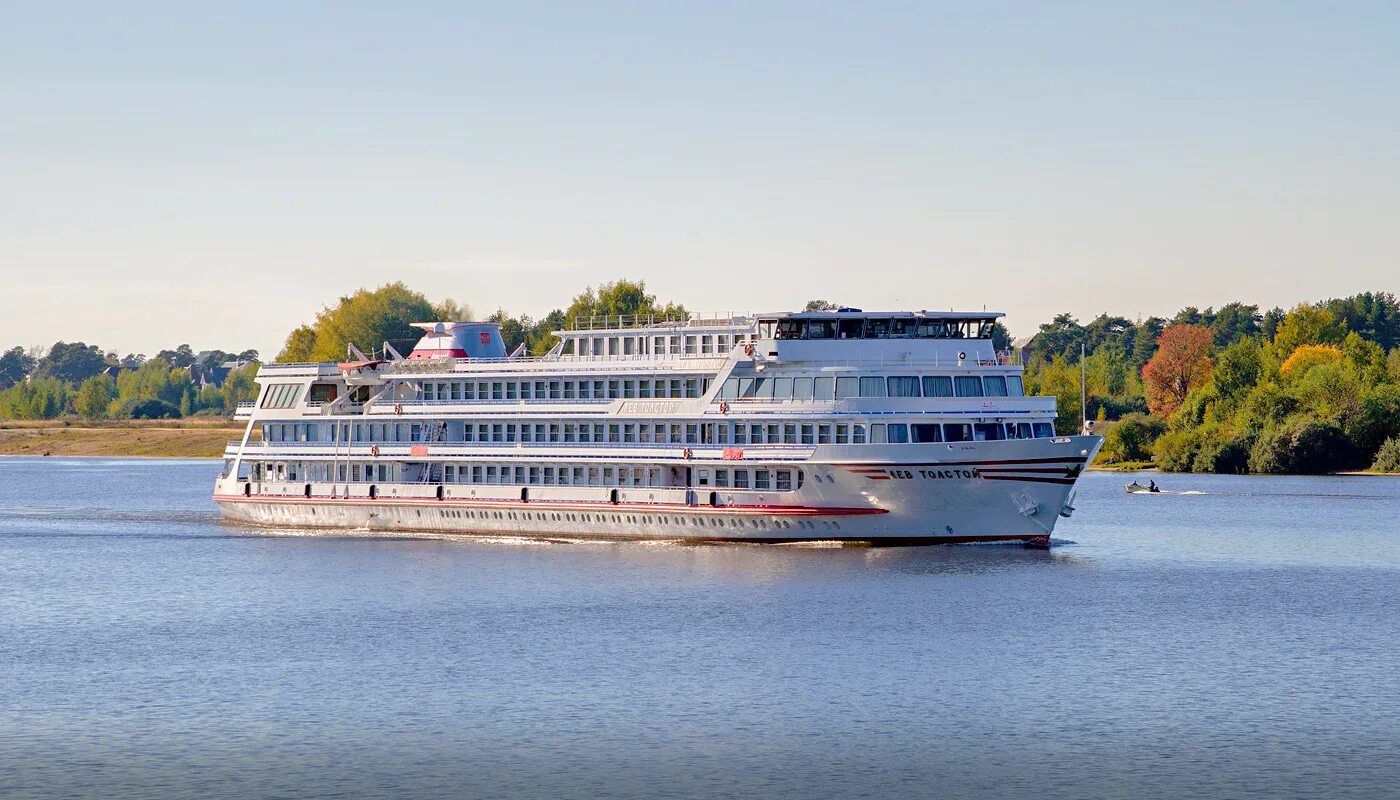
887 428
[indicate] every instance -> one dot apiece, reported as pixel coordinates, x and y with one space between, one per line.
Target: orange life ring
398 408
748 348
723 407
374 450
686 454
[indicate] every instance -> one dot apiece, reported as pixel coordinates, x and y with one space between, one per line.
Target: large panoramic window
281 395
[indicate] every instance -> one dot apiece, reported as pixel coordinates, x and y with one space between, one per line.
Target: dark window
957 432
926 432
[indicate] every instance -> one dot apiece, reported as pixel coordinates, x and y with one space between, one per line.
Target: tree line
1230 389
1235 390
80 379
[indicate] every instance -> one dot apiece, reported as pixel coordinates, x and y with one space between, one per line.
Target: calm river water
1242 641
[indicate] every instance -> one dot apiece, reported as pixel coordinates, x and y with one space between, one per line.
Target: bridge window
995 384
782 388
801 388
281 395
1014 387
823 388
1044 430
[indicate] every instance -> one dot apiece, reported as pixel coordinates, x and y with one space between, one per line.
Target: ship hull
884 495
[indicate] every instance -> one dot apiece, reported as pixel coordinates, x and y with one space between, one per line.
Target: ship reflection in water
1240 641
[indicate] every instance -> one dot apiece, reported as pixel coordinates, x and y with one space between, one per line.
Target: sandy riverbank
189 438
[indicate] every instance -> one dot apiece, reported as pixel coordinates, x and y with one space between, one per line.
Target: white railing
695 319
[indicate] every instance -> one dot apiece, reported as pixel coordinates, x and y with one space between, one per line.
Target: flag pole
1083 403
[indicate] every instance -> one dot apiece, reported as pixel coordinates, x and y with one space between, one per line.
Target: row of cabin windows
877 328
726 433
702 344
839 388
612 389
926 432
757 478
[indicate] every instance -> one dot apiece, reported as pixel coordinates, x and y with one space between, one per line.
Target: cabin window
938 386
741 434
899 433
988 432
903 386
762 480
788 329
820 329
995 385
729 390
877 329
707 345
1044 430
570 390
789 433
808 433
741 479
878 435
801 388
690 343
722 479
968 385
925 433
850 328
872 386
823 388
782 388
722 343
847 387
784 480
644 388
824 433
1014 387
843 433
858 434
957 432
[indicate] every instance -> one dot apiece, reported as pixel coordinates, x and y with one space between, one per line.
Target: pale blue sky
214 175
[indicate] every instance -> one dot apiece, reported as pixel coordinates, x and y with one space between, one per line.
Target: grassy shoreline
186 438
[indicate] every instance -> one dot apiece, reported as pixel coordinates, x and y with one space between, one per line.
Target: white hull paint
882 494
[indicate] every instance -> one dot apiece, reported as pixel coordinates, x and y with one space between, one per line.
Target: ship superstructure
891 427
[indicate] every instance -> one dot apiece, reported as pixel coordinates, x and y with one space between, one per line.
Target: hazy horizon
172 174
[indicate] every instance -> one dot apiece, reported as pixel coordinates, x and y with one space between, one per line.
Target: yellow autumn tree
1307 356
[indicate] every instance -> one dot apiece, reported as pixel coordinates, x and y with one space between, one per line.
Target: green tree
820 305
72 362
15 366
620 299
239 387
365 319
180 357
94 396
1306 324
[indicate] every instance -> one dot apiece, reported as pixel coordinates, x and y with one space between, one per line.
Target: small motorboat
1137 488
